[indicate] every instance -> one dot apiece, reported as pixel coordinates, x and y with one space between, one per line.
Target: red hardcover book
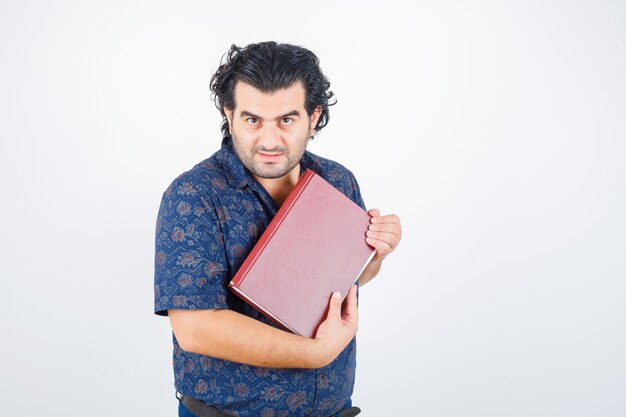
314 246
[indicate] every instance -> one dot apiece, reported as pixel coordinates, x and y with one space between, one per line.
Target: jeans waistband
201 409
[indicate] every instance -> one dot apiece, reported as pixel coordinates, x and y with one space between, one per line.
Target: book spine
241 274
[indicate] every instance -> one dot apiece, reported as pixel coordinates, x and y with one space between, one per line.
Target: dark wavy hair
268 67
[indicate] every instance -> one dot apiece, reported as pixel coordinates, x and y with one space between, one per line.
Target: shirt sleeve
190 268
356 192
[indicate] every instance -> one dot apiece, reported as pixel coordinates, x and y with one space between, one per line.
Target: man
228 358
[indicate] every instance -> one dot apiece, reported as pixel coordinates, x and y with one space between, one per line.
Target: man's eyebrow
245 113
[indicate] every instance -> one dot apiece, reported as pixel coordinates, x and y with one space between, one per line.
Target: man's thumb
334 309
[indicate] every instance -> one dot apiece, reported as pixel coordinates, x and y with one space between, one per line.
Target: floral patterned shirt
209 219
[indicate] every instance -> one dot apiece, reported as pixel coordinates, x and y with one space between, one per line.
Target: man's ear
315 116
229 118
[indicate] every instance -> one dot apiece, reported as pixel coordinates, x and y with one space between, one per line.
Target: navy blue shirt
209 220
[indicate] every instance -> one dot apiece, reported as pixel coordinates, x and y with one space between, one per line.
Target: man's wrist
318 357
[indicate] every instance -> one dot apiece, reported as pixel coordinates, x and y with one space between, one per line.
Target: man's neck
279 188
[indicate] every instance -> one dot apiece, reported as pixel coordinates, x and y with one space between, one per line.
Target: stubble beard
288 161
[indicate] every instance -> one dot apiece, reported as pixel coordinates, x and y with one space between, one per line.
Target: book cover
314 246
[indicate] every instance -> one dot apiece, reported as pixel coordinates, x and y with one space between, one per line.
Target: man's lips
270 156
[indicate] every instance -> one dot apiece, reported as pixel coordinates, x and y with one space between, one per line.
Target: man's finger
384 236
385 227
334 308
389 218
381 245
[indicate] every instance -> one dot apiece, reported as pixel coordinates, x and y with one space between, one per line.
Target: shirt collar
238 175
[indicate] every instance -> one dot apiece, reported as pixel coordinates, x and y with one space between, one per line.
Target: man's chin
270 173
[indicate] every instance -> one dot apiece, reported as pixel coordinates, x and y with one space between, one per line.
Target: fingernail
337 294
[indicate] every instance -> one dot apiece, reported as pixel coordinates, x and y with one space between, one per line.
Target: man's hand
339 328
384 234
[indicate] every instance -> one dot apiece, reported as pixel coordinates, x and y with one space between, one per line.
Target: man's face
270 131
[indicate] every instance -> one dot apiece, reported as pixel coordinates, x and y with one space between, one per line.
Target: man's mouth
271 157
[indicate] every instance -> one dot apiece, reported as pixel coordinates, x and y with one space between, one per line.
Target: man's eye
252 120
287 120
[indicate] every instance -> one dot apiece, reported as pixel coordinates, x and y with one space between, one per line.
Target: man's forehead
250 99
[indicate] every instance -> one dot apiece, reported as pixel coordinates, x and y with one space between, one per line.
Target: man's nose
270 136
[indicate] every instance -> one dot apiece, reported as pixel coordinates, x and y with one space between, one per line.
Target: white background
495 130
